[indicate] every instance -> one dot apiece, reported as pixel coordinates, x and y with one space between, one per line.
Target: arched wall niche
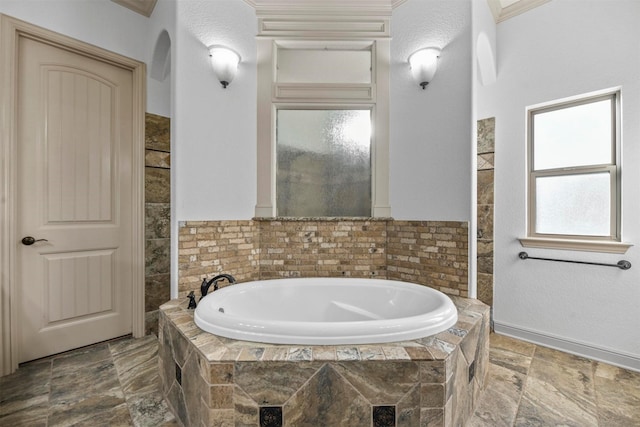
486 60
161 61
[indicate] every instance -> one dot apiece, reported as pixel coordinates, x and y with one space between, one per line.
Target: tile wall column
157 217
486 157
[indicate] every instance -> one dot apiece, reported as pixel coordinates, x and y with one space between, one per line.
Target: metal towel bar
622 264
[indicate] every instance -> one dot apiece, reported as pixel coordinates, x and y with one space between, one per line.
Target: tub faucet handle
204 287
192 300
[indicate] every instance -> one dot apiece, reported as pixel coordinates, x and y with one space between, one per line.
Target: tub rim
372 331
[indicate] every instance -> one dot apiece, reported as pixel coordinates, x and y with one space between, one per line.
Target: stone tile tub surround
433 253
157 207
213 381
485 207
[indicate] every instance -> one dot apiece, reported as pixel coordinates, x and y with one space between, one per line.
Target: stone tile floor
531 385
116 384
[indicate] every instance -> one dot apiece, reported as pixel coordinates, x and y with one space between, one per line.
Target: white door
75 145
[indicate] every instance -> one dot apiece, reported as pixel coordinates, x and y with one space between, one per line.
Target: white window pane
324 66
323 163
574 204
579 135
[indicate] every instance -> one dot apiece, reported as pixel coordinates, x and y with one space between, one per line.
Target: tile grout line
524 386
115 366
49 392
594 366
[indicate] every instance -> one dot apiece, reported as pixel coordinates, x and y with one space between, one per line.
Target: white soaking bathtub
325 311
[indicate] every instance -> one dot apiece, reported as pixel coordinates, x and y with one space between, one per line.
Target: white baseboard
605 355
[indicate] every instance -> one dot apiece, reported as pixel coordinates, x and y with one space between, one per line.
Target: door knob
28 241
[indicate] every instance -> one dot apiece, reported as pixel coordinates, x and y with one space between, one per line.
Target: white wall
430 164
89 21
162 19
215 149
101 23
214 128
561 49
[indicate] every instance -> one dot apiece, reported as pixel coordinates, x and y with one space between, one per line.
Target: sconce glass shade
225 63
424 64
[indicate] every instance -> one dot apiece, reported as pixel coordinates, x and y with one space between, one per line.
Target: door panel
79 146
79 285
75 145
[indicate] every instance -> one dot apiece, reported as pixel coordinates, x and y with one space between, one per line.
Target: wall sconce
424 64
224 62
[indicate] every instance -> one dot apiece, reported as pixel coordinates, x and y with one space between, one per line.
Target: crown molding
324 7
143 7
501 14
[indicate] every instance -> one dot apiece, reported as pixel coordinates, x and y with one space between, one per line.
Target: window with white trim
323 129
323 112
323 162
574 170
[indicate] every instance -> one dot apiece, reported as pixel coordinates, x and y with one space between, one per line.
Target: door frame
11 29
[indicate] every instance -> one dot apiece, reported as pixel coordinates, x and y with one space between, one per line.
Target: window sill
575 245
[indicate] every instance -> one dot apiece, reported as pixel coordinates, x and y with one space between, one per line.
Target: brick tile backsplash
433 253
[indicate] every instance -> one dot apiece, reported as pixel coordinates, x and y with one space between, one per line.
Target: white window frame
312 30
612 242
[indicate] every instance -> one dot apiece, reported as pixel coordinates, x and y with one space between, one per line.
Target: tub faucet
204 288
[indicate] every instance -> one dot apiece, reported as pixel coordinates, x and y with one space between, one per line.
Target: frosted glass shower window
573 170
323 163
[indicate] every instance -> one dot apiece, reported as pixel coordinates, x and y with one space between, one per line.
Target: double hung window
574 170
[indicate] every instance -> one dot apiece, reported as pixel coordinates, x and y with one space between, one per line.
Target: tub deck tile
180 317
347 353
216 348
419 353
324 353
298 372
203 338
250 354
297 354
213 352
371 353
459 332
231 354
396 353
172 305
275 354
439 348
449 338
465 323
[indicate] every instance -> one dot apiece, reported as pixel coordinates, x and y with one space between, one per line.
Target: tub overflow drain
221 310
